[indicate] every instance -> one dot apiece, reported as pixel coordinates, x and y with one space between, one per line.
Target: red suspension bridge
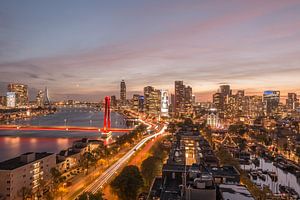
106 129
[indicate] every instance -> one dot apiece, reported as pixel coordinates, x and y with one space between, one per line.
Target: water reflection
284 178
14 143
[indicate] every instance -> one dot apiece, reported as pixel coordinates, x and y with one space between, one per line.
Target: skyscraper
179 96
141 103
113 101
147 93
225 90
123 93
39 99
46 97
21 92
292 102
218 101
188 98
271 101
135 102
11 99
164 103
155 102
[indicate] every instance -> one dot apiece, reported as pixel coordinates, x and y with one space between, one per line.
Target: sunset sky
83 49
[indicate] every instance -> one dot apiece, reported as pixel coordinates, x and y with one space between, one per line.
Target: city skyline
89 47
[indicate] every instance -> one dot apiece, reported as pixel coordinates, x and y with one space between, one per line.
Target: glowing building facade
11 99
164 103
21 93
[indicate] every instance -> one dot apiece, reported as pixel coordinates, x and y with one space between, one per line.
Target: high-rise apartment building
183 98
135 102
225 90
255 106
152 100
188 99
218 101
141 103
292 102
123 93
39 99
11 99
179 96
27 171
271 101
113 101
147 92
21 92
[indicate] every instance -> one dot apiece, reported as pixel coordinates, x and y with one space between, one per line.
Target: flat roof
16 162
235 192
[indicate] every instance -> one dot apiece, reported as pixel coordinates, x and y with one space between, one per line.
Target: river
284 178
14 143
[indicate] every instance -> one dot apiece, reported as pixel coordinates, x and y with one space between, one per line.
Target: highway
112 170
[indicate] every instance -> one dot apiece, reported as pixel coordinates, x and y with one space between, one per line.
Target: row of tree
132 180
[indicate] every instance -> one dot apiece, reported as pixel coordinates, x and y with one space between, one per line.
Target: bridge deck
61 128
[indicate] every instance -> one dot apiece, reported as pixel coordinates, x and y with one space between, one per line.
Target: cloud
239 43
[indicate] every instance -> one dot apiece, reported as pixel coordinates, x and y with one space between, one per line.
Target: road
61 128
112 170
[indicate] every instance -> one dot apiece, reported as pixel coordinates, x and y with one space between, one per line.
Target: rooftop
235 192
17 162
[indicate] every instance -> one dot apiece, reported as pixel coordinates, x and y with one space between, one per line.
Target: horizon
83 50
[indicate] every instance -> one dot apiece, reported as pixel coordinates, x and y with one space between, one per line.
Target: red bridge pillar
106 123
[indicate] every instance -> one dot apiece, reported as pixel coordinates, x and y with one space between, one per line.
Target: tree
91 196
56 177
128 183
88 159
150 168
172 127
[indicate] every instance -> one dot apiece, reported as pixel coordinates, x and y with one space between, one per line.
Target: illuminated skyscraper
225 90
113 101
147 92
292 102
154 102
46 97
39 99
21 93
179 96
218 101
188 99
135 102
141 103
164 103
11 99
271 101
123 93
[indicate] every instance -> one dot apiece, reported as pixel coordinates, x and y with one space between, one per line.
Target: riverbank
10 115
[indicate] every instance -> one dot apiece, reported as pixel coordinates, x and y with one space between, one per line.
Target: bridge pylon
106 135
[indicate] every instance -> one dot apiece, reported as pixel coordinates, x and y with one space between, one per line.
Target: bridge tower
106 135
106 122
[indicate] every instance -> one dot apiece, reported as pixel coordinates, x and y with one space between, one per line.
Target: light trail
112 170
